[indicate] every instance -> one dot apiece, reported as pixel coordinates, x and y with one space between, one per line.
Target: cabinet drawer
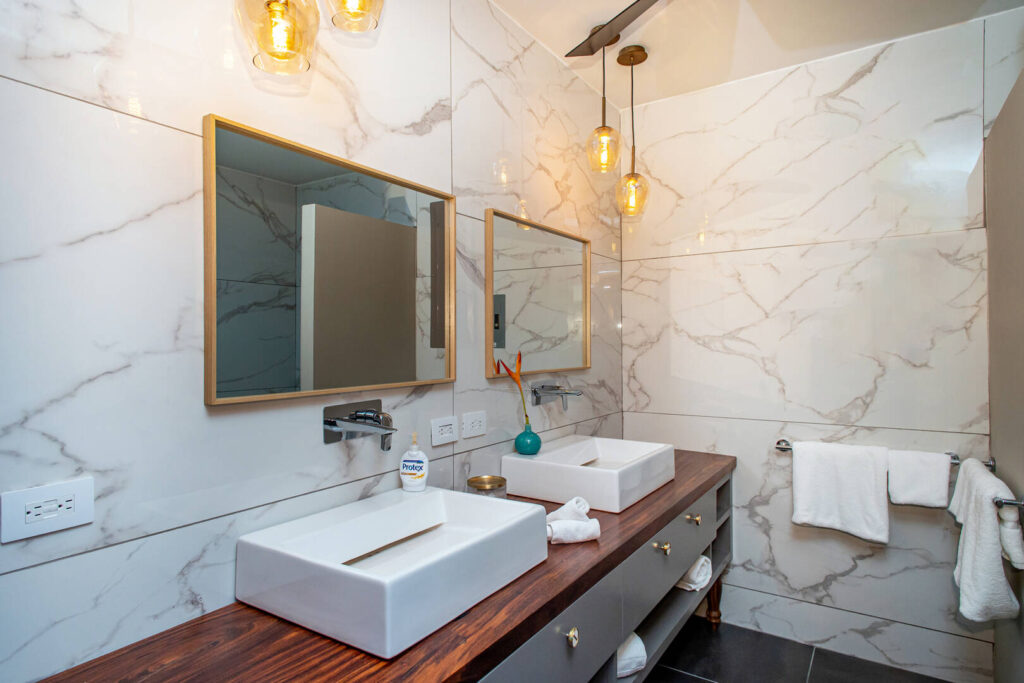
648 574
549 656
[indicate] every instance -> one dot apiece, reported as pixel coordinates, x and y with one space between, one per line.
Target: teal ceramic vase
527 443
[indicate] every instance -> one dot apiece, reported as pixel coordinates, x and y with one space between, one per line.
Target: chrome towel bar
786 447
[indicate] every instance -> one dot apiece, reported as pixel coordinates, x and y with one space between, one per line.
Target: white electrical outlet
474 424
42 509
444 430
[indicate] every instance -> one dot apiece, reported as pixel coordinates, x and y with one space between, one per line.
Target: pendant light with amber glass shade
632 189
356 16
280 33
604 143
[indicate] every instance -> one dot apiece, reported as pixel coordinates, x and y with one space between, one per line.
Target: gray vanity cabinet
649 573
626 600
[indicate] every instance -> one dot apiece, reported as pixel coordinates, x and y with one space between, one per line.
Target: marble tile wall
820 275
105 100
1004 59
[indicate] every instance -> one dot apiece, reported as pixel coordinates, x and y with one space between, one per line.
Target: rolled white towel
631 656
1010 537
575 509
697 576
573 530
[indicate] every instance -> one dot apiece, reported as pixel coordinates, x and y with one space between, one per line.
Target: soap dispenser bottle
413 469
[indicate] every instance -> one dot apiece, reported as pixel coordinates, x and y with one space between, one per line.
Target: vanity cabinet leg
714 611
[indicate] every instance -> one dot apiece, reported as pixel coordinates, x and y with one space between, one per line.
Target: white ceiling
695 44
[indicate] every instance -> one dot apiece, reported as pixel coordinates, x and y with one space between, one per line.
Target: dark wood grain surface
240 643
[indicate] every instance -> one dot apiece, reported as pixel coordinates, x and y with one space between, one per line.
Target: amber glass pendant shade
603 149
356 16
279 33
631 194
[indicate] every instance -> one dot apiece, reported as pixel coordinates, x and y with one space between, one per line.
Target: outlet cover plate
444 430
42 509
474 423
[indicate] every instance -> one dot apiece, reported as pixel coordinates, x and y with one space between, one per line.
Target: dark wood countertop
239 642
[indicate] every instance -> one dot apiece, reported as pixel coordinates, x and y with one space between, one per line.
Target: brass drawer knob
573 636
693 518
665 547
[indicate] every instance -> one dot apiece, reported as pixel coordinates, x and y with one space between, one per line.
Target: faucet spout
356 420
543 393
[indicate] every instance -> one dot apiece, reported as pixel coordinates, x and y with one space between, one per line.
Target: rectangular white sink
616 473
382 573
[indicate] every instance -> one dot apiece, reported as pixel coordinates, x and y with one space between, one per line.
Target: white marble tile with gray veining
890 333
522 119
1004 59
908 580
886 140
921 650
108 356
174 67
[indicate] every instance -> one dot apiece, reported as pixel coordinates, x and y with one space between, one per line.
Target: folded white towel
697 576
841 487
919 478
984 592
576 509
1010 537
573 530
631 656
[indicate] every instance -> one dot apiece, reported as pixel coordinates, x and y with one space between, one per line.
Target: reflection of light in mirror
500 171
522 213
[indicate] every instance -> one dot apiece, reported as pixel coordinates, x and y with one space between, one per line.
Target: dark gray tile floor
738 655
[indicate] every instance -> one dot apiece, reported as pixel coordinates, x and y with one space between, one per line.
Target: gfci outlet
42 509
474 424
444 430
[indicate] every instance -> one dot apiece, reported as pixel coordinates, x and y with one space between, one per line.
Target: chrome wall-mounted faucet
545 393
356 420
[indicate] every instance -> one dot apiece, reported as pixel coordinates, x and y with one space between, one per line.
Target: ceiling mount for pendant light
604 143
632 189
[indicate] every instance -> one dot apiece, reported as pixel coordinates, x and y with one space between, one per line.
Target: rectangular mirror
322 276
538 295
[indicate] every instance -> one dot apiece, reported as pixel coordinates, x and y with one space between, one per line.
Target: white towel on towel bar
919 478
841 487
984 592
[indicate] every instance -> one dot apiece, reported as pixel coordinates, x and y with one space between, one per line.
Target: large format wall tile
908 580
176 64
1004 59
601 384
888 334
106 346
521 119
890 642
886 140
102 600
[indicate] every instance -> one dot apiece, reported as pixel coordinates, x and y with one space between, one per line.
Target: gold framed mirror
322 276
537 296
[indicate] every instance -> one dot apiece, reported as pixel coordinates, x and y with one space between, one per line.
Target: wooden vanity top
239 642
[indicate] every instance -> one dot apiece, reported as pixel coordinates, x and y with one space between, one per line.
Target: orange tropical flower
517 377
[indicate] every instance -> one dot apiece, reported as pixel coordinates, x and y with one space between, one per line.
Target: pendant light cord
632 121
604 107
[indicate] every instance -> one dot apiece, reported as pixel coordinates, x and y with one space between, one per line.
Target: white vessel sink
611 474
382 573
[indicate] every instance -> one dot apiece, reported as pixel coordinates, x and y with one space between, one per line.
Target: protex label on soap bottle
413 469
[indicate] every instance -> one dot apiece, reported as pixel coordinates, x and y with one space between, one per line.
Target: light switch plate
444 430
42 509
474 424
